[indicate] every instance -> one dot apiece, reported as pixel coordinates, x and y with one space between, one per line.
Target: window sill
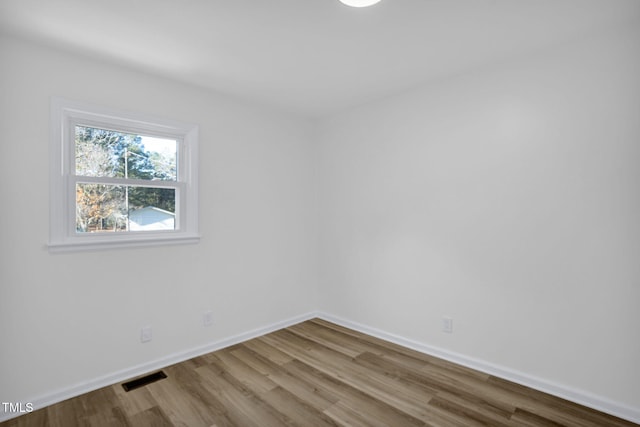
82 245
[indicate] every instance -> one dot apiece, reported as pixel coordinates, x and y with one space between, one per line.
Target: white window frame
65 115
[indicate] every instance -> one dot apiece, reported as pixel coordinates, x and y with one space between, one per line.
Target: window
120 179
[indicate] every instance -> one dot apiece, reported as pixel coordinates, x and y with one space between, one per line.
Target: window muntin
120 179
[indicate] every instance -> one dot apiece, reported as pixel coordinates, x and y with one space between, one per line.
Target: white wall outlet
146 334
447 325
207 318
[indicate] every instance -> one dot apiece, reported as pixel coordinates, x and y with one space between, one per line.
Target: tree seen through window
102 153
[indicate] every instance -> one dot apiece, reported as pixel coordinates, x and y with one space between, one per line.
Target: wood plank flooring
318 374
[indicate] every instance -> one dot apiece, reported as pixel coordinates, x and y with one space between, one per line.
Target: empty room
320 213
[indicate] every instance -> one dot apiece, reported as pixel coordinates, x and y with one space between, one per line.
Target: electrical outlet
146 334
207 318
447 325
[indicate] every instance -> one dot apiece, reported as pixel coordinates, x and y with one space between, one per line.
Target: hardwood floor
318 374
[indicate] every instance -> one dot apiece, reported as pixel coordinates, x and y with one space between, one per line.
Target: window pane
100 208
161 198
102 152
118 208
162 154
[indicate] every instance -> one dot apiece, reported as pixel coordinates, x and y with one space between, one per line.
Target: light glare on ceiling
359 3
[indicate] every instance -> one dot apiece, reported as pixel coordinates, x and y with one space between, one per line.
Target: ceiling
314 57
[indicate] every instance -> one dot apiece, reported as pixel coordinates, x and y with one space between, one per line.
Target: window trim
65 114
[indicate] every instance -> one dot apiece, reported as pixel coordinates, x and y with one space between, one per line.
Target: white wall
71 318
508 198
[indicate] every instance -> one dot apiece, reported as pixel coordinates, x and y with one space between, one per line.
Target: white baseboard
592 401
578 396
135 371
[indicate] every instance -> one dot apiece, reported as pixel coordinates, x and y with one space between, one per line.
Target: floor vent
147 379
